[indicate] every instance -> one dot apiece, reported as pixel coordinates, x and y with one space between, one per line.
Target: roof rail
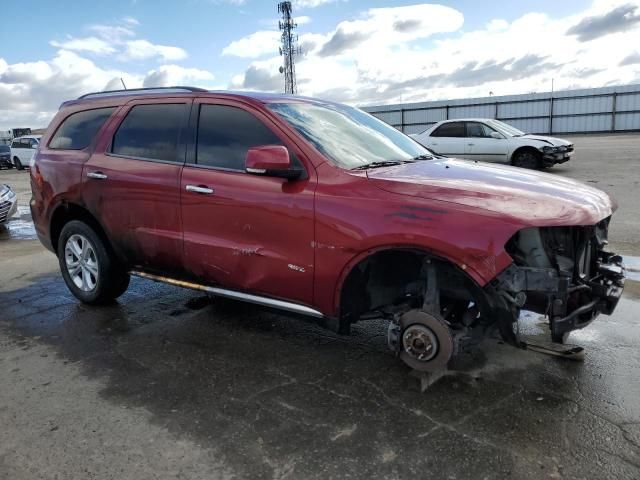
137 91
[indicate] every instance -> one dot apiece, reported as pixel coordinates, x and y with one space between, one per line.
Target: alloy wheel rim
82 262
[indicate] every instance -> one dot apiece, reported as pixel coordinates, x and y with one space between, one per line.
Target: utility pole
288 50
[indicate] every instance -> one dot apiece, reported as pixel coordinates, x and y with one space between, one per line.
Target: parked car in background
320 209
8 203
5 157
491 140
23 149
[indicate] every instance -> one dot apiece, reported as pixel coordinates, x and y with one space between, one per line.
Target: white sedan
494 141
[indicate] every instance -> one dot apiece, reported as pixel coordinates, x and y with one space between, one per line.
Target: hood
553 141
529 197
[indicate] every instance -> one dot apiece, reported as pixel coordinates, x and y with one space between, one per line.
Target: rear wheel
89 269
18 163
527 159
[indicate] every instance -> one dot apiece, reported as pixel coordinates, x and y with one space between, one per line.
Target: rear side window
150 132
77 130
452 129
225 134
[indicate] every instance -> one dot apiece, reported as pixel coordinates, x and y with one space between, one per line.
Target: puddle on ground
19 227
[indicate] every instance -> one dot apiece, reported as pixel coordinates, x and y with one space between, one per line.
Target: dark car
5 157
320 209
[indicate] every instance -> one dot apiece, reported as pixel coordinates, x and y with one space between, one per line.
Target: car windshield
4 149
506 128
349 137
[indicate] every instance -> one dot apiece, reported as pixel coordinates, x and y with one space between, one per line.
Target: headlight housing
8 195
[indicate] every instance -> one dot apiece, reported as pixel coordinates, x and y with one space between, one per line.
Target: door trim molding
233 294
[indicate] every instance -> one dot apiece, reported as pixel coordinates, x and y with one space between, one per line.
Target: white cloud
93 45
312 3
119 41
144 49
171 75
262 42
30 93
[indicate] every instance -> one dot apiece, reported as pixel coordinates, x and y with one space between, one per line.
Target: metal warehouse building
606 109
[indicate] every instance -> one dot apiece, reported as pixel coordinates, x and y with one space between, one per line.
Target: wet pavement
168 384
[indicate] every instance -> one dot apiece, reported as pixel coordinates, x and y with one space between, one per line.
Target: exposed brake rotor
423 341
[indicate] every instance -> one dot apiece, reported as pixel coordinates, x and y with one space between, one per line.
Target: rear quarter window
77 131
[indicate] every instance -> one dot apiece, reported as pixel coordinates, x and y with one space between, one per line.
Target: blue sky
355 51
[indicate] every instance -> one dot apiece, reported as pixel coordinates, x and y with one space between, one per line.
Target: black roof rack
138 91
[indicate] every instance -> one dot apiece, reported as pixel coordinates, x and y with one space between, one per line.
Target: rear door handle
199 189
97 175
471 144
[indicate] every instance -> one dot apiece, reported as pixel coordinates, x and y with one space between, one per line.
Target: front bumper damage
556 155
565 274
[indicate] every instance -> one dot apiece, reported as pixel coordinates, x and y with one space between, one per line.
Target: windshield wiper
424 156
384 163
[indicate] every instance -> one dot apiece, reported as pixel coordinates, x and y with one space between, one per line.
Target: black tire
101 278
527 159
18 163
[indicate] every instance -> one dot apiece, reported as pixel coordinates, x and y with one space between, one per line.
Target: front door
132 182
480 145
243 231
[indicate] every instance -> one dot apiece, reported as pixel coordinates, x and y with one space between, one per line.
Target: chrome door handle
471 144
196 189
97 175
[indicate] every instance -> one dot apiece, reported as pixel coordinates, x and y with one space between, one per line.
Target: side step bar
245 297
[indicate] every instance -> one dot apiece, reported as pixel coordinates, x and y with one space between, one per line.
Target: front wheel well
525 148
68 212
389 278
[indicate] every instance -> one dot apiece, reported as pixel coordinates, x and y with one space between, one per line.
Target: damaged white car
491 140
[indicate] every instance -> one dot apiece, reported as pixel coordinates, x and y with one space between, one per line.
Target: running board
245 297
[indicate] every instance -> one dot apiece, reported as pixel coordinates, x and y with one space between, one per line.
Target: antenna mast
288 50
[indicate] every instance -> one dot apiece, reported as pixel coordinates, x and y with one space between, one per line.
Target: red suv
316 208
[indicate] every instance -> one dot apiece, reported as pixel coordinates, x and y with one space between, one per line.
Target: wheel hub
420 342
423 341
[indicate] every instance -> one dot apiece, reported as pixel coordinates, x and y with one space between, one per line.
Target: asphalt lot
166 384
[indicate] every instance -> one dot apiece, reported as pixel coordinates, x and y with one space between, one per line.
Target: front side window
150 132
478 130
347 136
78 130
451 129
225 134
15 144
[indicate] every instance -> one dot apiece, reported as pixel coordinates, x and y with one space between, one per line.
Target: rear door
243 231
131 182
480 145
448 139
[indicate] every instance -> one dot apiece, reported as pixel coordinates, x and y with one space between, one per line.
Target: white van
23 149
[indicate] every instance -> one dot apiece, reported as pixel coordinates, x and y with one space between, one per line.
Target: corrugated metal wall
606 109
